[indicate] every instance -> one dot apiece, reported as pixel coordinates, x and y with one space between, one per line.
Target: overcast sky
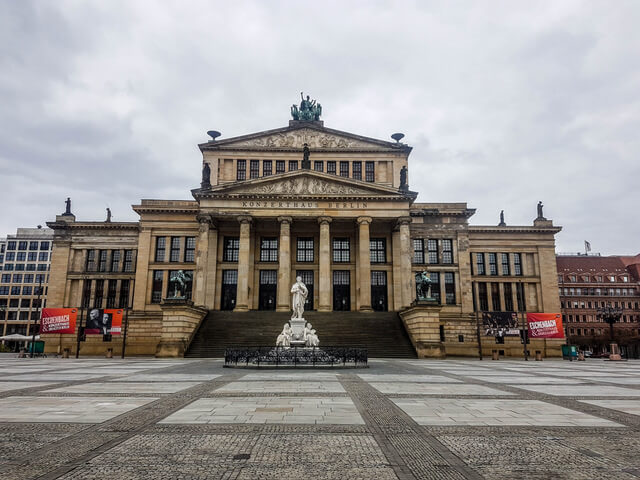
505 103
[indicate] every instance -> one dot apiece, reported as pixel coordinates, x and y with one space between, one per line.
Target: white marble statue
284 339
300 292
310 337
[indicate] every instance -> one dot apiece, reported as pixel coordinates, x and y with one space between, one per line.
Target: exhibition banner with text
545 325
58 320
102 322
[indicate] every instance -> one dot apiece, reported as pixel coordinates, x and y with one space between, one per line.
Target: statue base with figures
297 332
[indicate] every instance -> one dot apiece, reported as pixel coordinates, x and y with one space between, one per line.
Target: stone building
304 200
24 267
589 283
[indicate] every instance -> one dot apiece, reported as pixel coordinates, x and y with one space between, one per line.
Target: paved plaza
143 418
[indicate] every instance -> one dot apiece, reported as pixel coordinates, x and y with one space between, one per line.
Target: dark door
341 290
379 291
229 289
268 288
307 279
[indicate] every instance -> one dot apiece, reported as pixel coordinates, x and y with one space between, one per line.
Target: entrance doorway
341 290
307 279
379 291
268 288
229 289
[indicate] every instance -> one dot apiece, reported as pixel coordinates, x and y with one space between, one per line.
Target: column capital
323 220
362 220
245 219
206 219
403 221
288 220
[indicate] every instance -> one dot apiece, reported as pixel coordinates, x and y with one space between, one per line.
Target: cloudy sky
505 103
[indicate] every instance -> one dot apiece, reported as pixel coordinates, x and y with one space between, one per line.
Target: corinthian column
324 265
284 264
364 265
406 277
242 295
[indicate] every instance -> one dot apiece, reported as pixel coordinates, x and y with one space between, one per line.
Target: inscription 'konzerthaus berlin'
304 200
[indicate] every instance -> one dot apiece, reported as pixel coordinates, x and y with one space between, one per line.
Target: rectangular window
241 170
447 251
331 168
378 250
44 245
22 245
341 277
357 170
480 264
21 256
449 288
318 166
482 297
279 166
493 265
17 278
40 278
435 285
11 256
432 249
115 261
268 277
128 261
174 253
42 267
161 246
11 245
24 316
6 278
254 168
229 277
522 306
341 250
111 293
266 168
378 279
508 297
269 250
190 249
33 245
32 257
505 264
8 267
4 290
15 291
102 260
418 250
293 165
156 289
304 251
97 301
231 249
344 169
91 261
495 297
517 264
124 294
369 172
26 291
20 267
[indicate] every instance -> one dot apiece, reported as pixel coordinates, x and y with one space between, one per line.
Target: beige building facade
304 200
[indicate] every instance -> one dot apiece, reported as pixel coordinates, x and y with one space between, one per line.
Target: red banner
545 325
58 320
101 322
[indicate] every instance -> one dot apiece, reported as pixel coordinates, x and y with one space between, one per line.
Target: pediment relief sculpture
297 139
301 186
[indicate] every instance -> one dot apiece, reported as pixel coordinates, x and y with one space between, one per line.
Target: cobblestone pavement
144 418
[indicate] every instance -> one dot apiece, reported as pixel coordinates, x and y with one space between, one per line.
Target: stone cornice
513 229
94 226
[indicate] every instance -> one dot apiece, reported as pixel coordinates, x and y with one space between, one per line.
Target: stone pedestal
297 328
180 321
422 322
615 353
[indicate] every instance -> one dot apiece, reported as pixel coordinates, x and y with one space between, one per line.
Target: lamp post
33 338
611 315
3 311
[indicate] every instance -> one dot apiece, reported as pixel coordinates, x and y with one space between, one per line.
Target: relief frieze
297 139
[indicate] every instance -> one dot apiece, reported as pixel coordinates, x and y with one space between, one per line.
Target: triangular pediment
305 184
294 137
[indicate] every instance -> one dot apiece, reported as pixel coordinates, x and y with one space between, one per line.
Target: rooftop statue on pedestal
502 224
309 110
68 207
540 215
108 220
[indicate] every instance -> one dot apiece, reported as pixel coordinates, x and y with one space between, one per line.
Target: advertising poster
58 320
103 321
545 325
500 324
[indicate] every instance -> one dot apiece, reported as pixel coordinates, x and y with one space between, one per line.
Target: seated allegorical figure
310 337
284 339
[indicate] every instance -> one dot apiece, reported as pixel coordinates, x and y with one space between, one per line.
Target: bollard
494 355
109 353
65 352
538 356
581 356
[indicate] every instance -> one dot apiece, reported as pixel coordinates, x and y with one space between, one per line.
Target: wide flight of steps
382 333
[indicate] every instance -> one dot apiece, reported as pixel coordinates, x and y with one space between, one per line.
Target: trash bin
538 356
109 352
65 352
494 355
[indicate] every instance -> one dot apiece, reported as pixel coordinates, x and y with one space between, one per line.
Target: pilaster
242 296
284 264
324 265
364 265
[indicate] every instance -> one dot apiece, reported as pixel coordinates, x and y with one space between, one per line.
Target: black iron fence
295 357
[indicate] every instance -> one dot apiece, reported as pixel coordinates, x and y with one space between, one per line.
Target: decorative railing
295 357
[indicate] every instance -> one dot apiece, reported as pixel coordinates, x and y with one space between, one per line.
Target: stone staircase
382 333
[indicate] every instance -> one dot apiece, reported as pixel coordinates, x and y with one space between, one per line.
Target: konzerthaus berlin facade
340 215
